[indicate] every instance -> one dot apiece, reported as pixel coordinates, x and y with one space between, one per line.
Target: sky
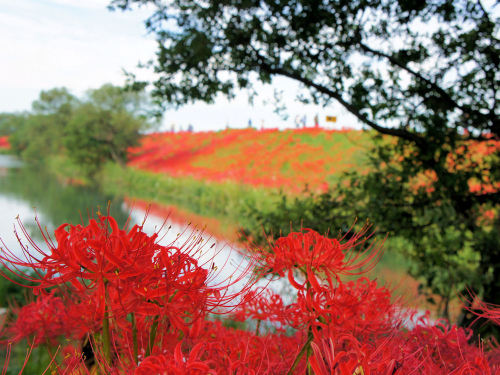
79 44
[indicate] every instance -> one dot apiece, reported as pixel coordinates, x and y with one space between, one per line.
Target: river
28 193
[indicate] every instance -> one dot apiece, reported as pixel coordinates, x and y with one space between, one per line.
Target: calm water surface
27 192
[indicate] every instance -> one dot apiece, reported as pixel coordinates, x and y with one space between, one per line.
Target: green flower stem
134 338
106 338
309 352
106 333
152 336
257 329
304 349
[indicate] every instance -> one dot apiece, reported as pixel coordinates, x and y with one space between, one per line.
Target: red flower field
4 142
115 301
289 159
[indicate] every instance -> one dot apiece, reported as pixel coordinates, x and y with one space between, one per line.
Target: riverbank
223 202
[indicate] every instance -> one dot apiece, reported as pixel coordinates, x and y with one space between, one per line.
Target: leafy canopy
90 131
105 125
39 133
401 67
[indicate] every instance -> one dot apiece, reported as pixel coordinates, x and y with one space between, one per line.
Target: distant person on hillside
190 128
297 121
316 121
249 122
304 121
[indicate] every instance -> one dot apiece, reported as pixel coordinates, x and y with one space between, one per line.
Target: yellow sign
331 118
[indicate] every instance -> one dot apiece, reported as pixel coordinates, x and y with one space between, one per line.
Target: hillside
289 159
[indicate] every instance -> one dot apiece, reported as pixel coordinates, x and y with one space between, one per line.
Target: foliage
451 222
9 122
319 212
105 126
118 300
40 132
423 72
95 136
90 131
11 292
348 51
255 212
223 201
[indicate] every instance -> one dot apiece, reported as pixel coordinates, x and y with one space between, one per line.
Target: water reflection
7 161
28 192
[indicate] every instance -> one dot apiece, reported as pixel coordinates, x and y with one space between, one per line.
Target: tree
39 133
453 234
105 126
9 122
90 131
423 72
55 101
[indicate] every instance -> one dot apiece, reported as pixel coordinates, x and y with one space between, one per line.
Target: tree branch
401 133
444 95
485 198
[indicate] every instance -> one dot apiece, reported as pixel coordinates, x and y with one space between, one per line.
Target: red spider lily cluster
115 301
288 159
4 142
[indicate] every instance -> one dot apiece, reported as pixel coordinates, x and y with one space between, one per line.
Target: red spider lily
312 253
144 308
401 353
104 274
128 271
350 357
436 349
483 309
359 307
45 320
261 304
296 162
72 362
243 155
176 364
239 351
